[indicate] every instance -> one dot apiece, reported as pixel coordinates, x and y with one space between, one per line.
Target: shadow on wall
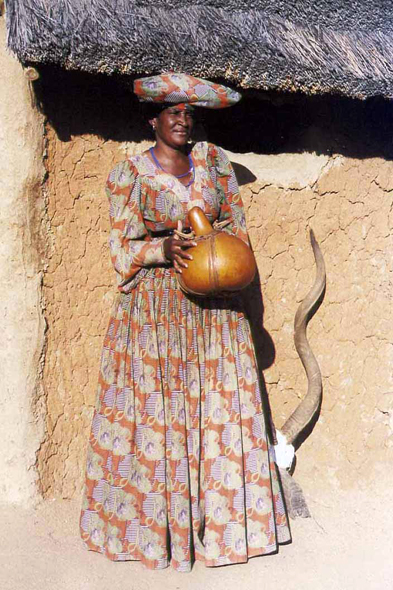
266 123
265 351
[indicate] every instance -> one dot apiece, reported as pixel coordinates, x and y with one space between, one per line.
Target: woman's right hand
175 250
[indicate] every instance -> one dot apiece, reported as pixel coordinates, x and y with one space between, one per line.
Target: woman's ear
153 123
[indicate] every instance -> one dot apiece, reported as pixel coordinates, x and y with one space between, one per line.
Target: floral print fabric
179 466
182 88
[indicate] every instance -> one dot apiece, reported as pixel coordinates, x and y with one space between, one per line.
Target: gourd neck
199 222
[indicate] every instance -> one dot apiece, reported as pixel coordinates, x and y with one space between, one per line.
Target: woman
179 465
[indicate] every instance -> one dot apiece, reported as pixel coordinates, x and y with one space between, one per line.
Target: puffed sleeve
231 204
132 250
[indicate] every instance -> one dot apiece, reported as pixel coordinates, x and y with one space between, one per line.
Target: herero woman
179 467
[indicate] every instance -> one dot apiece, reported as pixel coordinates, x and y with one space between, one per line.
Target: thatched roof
328 46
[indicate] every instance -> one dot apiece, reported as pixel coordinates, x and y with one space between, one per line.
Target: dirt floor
346 545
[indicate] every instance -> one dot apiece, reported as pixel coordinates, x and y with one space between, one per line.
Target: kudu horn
304 413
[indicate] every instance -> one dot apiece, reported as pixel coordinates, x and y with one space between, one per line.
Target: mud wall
322 163
22 322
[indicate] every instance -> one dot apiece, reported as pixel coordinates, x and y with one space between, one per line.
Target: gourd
222 263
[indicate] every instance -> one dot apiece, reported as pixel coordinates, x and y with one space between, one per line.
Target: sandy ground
347 544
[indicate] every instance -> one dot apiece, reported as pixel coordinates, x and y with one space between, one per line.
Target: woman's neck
170 154
173 160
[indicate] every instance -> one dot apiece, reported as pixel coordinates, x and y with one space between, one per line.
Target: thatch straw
307 46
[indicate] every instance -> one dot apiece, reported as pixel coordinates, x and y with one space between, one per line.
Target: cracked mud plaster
348 203
22 322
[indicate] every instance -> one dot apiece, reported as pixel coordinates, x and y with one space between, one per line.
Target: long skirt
179 465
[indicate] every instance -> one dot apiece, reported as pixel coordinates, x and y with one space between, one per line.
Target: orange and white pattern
179 466
173 88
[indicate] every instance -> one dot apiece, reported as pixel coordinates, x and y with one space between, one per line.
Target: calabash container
222 263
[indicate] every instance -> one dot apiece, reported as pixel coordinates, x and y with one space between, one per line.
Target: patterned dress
179 466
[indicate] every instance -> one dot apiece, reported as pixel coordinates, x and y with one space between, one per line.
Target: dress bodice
146 201
165 200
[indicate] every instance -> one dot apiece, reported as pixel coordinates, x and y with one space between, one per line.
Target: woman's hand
175 250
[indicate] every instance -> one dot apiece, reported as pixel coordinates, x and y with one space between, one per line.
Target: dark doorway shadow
76 103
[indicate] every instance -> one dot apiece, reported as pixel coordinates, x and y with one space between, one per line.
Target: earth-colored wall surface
22 322
323 178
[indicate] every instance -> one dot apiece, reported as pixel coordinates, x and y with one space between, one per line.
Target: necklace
191 169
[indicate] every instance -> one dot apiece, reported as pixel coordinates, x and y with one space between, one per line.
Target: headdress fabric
174 88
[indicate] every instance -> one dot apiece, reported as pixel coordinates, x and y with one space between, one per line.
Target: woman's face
173 125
